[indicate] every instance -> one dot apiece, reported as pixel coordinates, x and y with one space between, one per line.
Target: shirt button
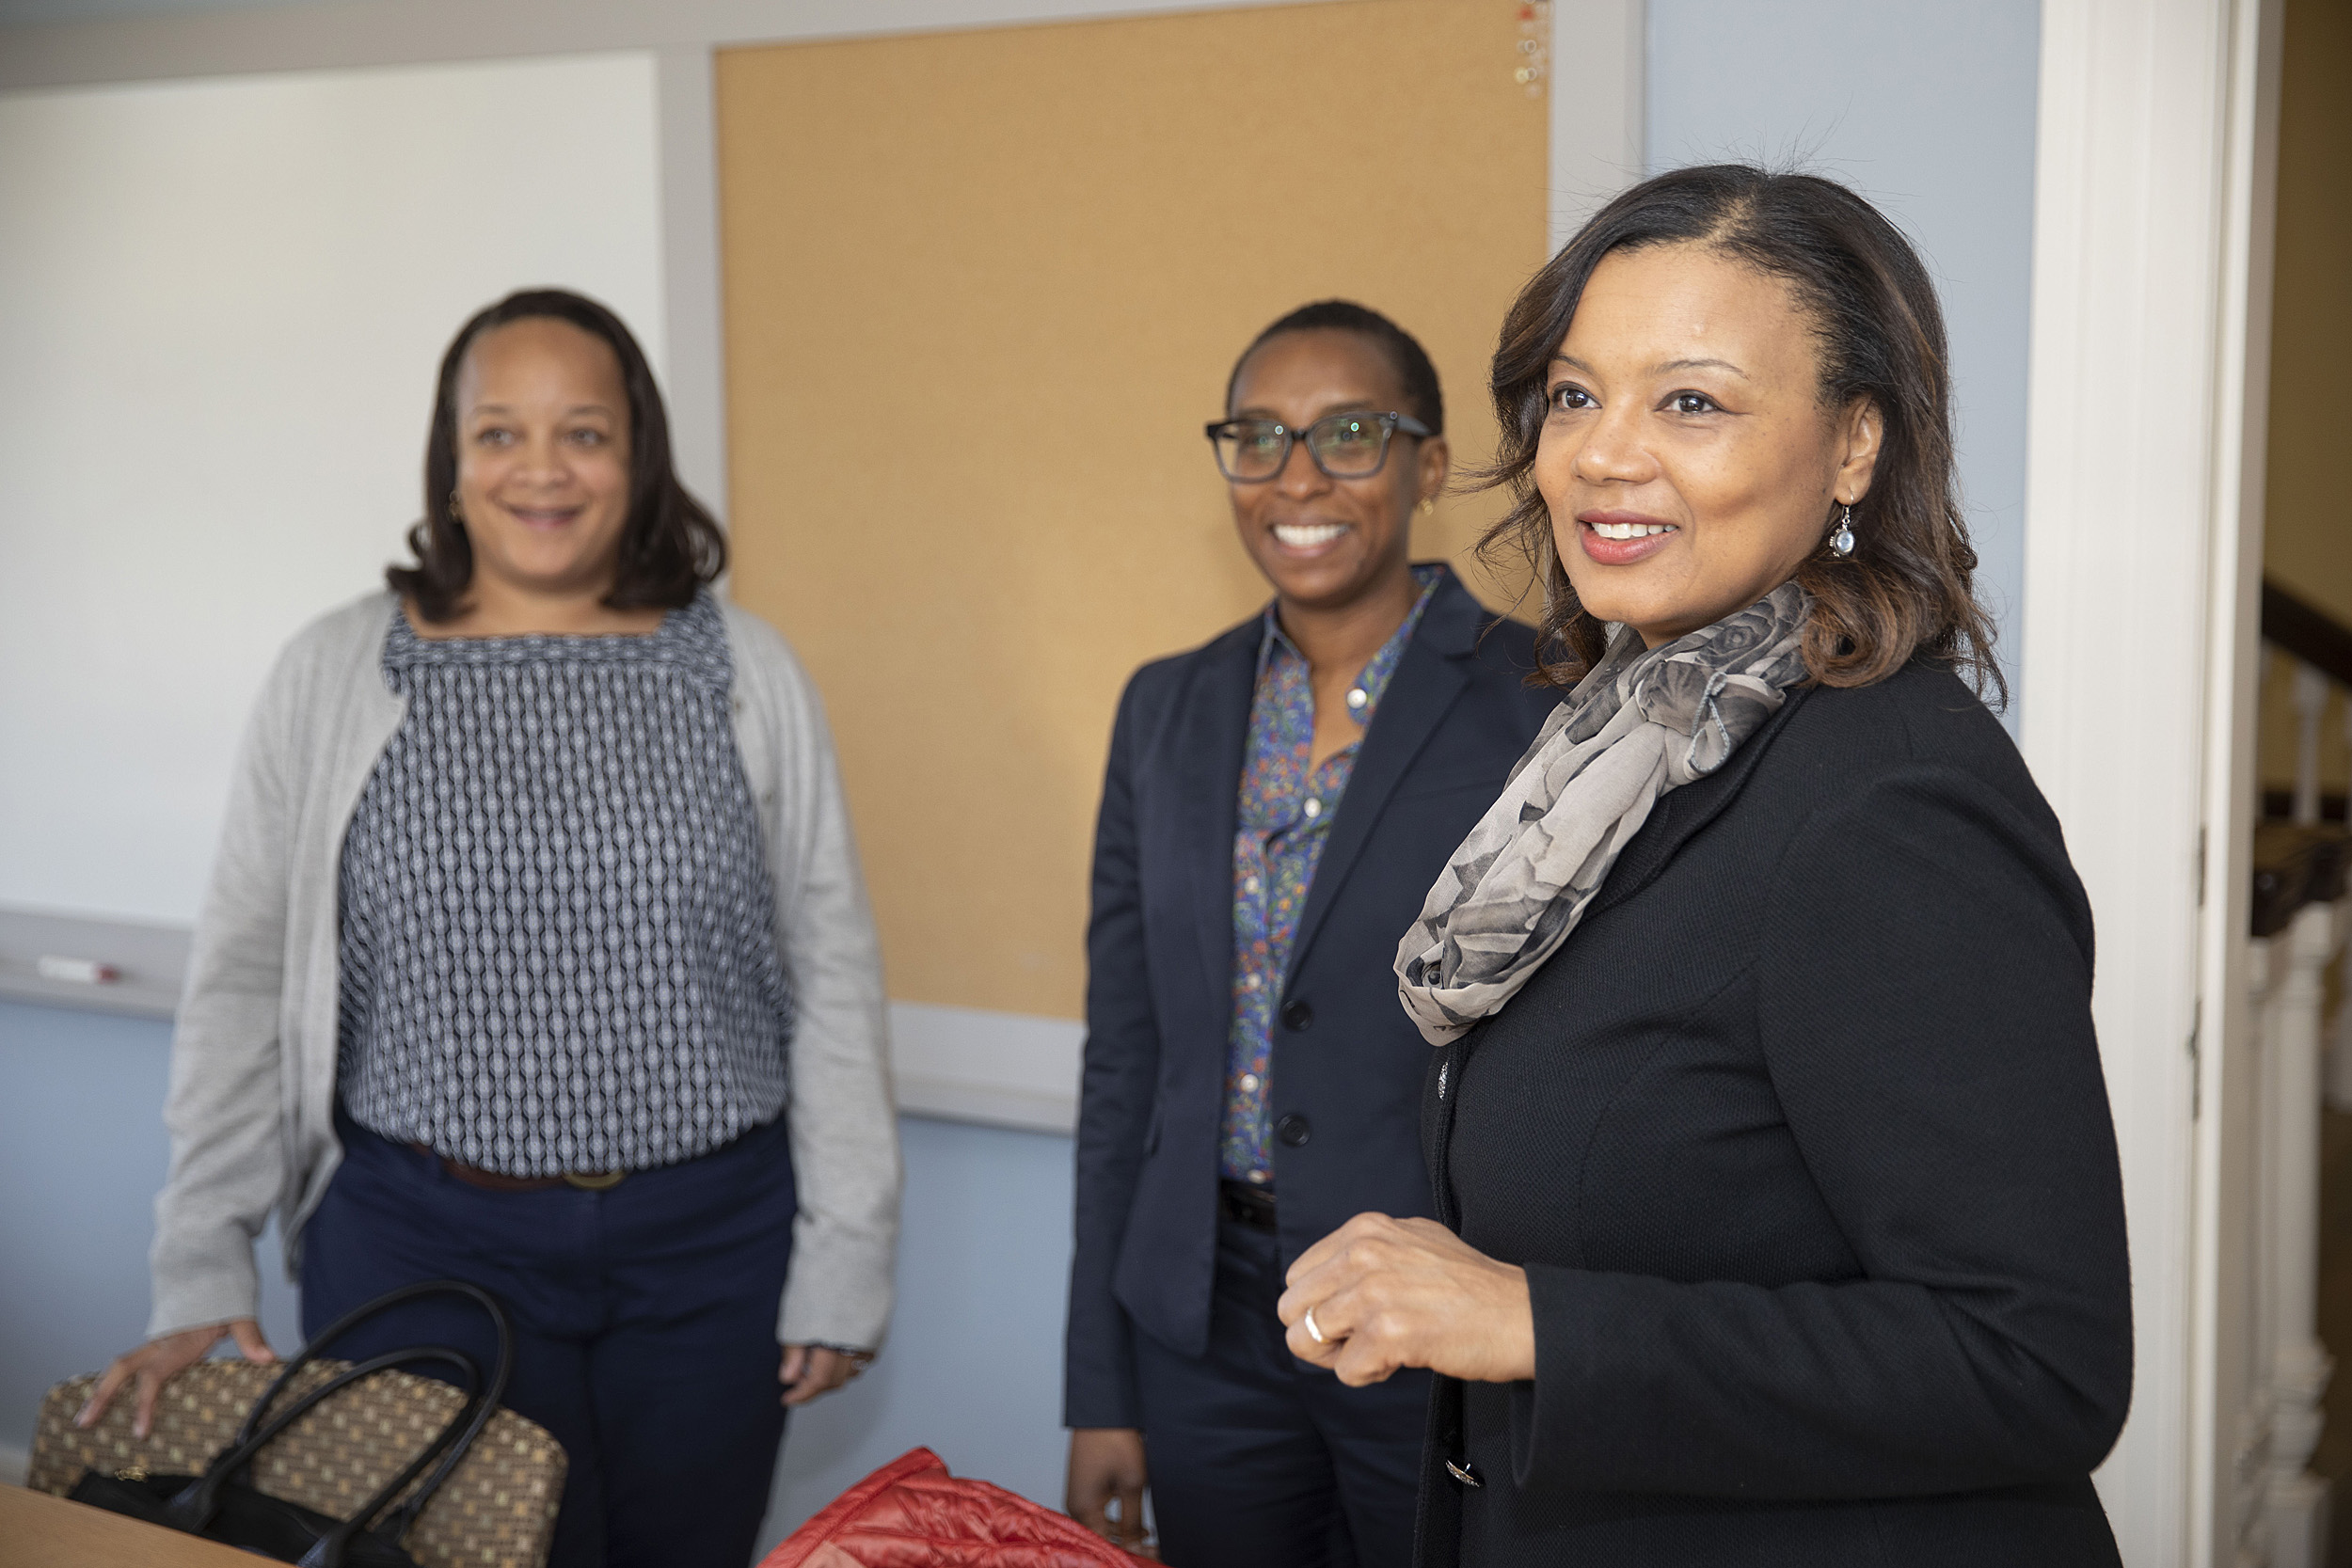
1294 1130
1249 982
1313 807
1357 698
1258 1179
1249 886
1249 1082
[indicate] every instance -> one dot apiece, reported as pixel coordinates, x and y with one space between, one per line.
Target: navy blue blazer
1347 1063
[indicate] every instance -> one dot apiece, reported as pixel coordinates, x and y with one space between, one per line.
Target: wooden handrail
2311 634
2300 865
2294 866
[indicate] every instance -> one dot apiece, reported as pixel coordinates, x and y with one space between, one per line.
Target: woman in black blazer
1779 1217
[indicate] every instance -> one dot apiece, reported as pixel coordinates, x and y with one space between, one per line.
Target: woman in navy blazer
1275 806
1779 1220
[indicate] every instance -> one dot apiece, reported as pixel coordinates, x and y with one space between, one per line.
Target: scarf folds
1644 721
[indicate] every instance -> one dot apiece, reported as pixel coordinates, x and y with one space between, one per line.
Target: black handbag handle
368 1309
457 1438
474 1418
196 1504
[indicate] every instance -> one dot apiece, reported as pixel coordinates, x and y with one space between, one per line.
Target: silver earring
1842 541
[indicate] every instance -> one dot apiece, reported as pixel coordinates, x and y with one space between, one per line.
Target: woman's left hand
1388 1293
809 1370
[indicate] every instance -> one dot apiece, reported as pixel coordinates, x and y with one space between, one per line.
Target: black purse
223 1505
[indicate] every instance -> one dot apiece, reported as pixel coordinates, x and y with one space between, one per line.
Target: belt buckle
1250 1205
595 1181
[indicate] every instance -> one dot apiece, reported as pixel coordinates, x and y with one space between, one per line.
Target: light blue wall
1927 107
974 1367
82 1154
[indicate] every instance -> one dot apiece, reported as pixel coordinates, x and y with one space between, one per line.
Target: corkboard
982 289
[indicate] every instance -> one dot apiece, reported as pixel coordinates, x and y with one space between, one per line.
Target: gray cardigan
252 1104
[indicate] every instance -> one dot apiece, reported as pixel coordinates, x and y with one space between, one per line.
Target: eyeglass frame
1390 421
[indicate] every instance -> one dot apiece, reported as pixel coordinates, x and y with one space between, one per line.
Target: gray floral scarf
1641 723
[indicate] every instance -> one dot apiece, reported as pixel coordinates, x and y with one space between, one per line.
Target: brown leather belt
498 1181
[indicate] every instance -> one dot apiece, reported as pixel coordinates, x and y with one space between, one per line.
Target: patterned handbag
322 1461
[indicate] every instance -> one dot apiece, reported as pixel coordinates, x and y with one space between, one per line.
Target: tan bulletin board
983 290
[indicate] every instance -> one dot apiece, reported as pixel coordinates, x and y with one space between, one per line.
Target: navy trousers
645 1321
1260 1461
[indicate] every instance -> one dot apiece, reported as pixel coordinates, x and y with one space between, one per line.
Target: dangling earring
456 509
1841 543
1428 505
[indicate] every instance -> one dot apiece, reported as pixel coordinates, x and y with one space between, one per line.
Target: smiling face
1324 543
543 457
1687 459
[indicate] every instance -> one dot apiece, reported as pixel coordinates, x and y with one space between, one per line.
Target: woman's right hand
157 1360
1106 1463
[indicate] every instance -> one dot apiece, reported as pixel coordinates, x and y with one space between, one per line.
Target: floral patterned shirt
1285 819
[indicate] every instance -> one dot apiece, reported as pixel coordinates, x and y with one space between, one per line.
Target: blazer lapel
1428 678
1681 813
1209 740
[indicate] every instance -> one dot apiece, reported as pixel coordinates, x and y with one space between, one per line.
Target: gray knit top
558 928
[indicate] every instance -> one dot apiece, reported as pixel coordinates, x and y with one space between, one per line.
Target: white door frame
2143 548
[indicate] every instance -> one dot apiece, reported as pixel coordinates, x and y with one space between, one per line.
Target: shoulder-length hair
670 546
1906 590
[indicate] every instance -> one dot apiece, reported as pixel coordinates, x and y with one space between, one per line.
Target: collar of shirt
1280 656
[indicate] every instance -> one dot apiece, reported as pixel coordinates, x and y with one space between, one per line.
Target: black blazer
1802 1141
1347 1063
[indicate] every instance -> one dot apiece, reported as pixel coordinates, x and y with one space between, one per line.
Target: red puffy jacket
911 1514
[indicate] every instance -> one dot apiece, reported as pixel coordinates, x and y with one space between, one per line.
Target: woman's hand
1106 1464
1388 1293
158 1360
809 1370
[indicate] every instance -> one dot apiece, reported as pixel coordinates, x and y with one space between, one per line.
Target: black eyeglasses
1343 445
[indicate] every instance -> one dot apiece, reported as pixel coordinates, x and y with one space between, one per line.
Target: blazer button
1298 1018
1294 1130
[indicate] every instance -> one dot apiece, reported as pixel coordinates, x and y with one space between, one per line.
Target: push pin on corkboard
1534 46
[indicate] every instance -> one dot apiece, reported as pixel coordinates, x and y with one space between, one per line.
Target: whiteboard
221 308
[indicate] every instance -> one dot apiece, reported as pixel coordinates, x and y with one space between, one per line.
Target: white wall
222 304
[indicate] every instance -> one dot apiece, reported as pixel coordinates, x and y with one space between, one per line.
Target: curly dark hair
671 545
1906 590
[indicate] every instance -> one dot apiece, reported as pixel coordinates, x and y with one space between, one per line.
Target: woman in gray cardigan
537 955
